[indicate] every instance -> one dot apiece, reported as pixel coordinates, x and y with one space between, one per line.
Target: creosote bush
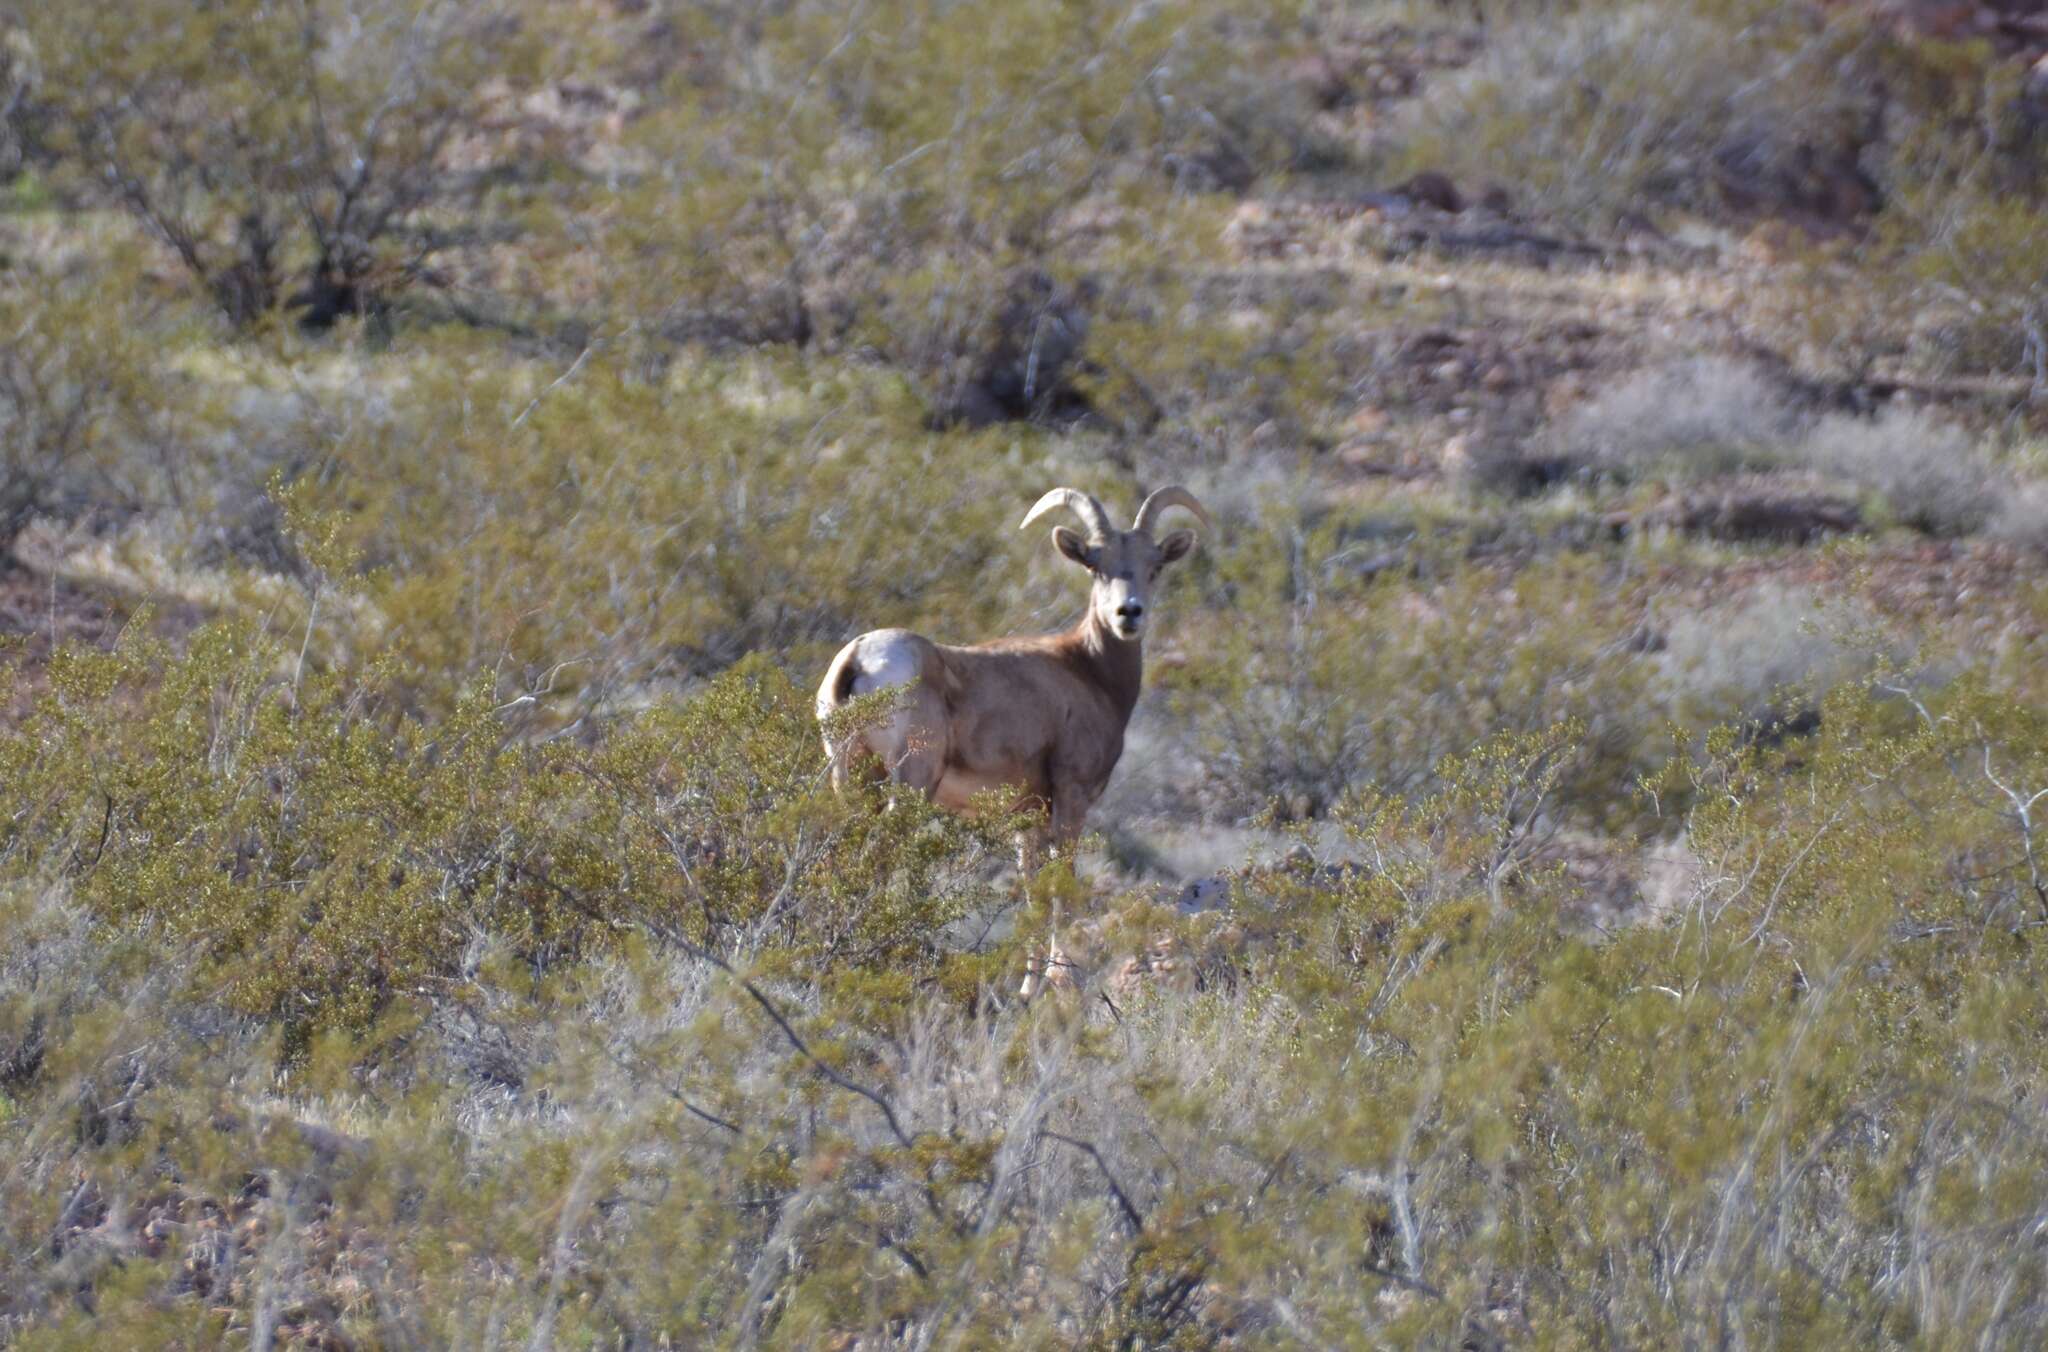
912 182
587 542
84 420
281 154
326 855
1724 1120
1599 109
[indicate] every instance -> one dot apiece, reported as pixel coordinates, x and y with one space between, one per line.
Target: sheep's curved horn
1173 495
1087 508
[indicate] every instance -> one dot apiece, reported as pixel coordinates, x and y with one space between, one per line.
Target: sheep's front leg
1032 848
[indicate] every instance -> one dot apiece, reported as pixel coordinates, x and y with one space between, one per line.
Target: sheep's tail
833 694
837 687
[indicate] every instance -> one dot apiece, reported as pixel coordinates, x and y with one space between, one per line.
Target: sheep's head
1122 563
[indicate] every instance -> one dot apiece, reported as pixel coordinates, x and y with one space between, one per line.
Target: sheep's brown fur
1043 717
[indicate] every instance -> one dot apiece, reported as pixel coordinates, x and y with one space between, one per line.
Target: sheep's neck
1116 664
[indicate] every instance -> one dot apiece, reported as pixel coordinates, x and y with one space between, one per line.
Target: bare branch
1123 1199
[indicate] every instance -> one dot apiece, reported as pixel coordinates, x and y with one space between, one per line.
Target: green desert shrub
1949 276
452 939
330 855
1423 1105
1959 250
87 419
1595 110
916 182
1342 684
622 530
1216 394
281 155
1978 252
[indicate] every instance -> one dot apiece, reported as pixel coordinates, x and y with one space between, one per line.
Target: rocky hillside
1574 871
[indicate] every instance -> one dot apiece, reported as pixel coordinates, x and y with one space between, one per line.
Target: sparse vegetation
1691 418
1577 869
1761 661
305 169
1607 109
84 422
1926 470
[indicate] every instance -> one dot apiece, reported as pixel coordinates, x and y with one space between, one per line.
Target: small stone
1434 189
1368 421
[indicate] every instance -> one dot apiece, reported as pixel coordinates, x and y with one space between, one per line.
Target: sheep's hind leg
908 746
1062 833
915 755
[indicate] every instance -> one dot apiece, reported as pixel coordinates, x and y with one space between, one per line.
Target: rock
1565 392
1217 167
1369 421
1204 894
1456 457
1326 84
1430 188
1254 231
1750 510
1823 188
1938 18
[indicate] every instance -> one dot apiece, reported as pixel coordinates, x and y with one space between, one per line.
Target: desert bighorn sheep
1043 716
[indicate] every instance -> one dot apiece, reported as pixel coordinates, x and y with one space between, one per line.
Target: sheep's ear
1073 546
1176 546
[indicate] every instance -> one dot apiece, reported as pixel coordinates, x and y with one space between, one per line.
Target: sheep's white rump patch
881 660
